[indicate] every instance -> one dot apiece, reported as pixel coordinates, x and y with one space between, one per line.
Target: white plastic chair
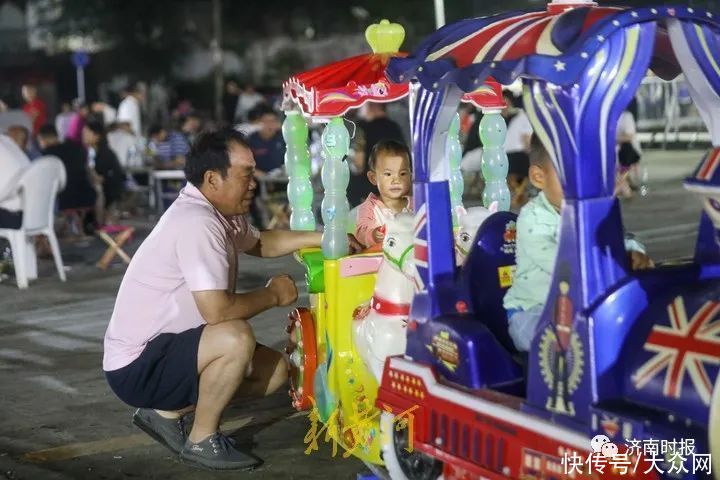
37 189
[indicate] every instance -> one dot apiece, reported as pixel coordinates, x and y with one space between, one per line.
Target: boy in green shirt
538 231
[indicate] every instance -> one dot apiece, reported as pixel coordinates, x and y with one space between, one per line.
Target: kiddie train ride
629 355
337 347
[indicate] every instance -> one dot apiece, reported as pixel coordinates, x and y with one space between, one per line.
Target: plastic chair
37 189
122 234
488 273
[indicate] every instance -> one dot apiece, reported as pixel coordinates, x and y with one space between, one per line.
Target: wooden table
157 177
145 190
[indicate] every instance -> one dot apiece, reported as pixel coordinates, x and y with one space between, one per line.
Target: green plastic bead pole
297 166
335 177
453 151
494 159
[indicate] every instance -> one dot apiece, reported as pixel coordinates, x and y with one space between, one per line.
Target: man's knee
235 337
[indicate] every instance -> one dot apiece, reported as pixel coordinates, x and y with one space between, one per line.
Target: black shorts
10 219
164 376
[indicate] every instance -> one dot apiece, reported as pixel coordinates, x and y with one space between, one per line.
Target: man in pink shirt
178 339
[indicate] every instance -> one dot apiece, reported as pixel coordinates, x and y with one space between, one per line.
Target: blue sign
80 59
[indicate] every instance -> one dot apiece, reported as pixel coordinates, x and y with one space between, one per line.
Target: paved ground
59 420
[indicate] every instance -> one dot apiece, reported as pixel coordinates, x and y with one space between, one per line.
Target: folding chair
122 234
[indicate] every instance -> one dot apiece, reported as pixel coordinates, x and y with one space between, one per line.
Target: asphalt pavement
59 419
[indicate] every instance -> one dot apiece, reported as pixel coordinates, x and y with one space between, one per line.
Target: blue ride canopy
581 65
554 45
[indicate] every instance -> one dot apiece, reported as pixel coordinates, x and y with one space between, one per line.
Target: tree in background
146 37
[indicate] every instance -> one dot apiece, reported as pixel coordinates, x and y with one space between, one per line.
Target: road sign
80 59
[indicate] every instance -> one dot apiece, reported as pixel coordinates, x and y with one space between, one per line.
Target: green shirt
538 229
538 232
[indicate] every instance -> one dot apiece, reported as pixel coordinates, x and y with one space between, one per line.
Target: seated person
538 230
268 147
79 191
168 149
125 145
110 175
21 136
389 170
267 143
13 162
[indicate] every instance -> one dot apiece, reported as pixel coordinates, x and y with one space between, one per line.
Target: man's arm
276 243
217 306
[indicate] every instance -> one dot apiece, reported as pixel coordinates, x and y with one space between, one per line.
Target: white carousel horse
470 221
379 327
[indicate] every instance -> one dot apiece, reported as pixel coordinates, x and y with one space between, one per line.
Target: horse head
470 221
398 242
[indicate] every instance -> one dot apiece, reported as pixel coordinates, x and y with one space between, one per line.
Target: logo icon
602 444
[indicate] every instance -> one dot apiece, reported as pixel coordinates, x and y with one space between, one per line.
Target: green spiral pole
297 166
453 151
494 160
335 178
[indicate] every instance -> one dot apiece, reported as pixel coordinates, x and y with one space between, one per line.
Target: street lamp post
217 55
439 13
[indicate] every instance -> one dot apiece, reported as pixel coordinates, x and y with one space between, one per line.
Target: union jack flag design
421 248
684 347
709 166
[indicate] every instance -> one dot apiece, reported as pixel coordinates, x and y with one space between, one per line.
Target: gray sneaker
217 452
169 432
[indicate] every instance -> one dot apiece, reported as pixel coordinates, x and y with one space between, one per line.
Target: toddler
537 246
389 170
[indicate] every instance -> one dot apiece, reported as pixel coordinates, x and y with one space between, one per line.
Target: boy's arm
366 225
632 244
639 260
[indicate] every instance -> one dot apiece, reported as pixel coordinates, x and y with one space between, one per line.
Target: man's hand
353 245
640 261
283 289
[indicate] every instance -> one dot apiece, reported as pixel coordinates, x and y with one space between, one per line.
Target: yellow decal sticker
505 274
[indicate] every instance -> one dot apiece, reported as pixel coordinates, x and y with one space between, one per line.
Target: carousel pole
297 166
494 159
453 151
335 178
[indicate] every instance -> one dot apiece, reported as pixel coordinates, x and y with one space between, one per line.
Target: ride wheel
302 352
399 462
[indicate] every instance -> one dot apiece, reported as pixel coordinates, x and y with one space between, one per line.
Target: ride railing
666 114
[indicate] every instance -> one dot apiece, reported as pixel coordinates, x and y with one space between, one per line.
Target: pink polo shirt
367 218
189 250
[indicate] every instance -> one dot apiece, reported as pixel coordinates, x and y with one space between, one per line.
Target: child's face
392 176
545 178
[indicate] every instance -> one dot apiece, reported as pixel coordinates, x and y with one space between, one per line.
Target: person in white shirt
247 100
13 163
63 120
129 110
127 147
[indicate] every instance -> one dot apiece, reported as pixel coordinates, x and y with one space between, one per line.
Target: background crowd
110 151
